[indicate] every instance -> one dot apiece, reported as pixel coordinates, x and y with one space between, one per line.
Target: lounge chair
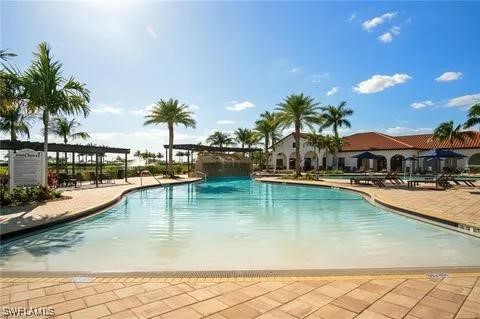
441 181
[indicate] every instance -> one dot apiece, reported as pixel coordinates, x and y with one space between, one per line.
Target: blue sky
402 67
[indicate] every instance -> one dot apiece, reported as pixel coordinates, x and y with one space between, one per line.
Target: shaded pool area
237 223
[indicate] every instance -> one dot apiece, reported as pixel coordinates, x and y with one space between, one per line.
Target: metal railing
148 173
203 174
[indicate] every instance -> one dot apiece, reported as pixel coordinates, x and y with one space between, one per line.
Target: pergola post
57 168
125 174
188 163
96 169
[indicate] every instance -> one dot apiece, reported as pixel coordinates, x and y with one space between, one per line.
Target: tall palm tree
66 129
14 121
220 139
268 128
473 116
50 94
242 136
317 141
171 112
336 117
298 110
449 132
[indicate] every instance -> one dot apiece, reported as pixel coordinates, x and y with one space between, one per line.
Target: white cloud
421 104
386 37
465 100
296 70
402 130
378 83
353 16
151 31
449 76
143 111
103 108
226 122
240 106
317 78
389 35
333 91
371 24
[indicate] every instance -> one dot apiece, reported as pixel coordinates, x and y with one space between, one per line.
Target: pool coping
253 273
445 223
87 212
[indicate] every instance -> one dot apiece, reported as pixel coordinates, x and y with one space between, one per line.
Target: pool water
234 223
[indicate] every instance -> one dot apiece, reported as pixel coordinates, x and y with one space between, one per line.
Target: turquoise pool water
240 224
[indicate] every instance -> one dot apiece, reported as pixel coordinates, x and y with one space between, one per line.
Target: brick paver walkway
456 296
460 204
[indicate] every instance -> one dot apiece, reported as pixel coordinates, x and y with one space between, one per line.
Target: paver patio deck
460 204
86 199
456 296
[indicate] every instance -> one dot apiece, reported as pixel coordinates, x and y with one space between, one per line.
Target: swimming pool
233 224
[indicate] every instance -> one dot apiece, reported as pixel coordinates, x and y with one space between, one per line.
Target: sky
403 67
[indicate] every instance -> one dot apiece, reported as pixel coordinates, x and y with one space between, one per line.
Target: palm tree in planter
14 121
220 139
66 129
50 94
171 112
473 116
336 117
298 110
268 128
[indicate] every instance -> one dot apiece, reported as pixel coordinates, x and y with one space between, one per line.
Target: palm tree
66 129
14 121
5 55
448 132
221 139
171 112
473 116
317 141
242 136
50 94
298 110
336 117
268 128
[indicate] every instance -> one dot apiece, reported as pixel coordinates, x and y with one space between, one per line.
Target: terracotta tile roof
378 141
373 141
423 141
370 141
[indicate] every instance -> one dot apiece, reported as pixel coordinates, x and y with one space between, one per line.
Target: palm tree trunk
45 148
297 150
266 153
170 148
13 136
65 141
334 159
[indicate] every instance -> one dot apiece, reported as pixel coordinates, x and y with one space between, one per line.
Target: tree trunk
297 150
65 141
45 118
334 159
266 153
13 136
170 148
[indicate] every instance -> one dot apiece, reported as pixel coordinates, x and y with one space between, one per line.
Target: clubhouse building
392 153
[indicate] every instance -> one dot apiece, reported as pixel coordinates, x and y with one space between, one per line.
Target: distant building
391 151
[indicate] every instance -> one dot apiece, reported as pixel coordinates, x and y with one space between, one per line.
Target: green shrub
24 195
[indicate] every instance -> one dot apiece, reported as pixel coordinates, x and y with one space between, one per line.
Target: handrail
148 173
203 173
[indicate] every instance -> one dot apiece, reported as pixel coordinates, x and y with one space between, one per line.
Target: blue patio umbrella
437 154
365 155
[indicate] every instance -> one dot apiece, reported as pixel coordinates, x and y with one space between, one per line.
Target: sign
25 168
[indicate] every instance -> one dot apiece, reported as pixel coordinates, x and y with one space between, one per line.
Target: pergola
98 151
200 148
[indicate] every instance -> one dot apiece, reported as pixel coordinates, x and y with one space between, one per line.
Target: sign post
26 168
